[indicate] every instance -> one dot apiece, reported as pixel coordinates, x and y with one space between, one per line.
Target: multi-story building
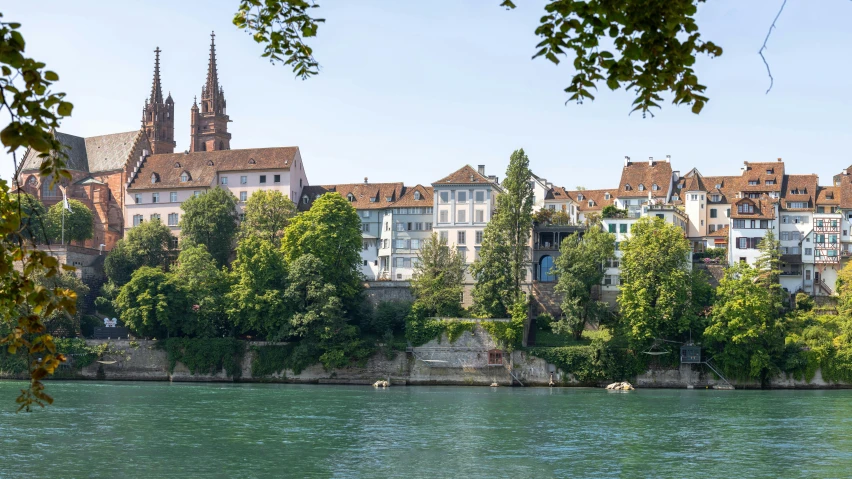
590 203
395 221
643 183
464 202
707 203
751 220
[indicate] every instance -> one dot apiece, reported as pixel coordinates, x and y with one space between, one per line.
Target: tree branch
760 52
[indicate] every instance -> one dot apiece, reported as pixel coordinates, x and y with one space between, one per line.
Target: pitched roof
203 166
828 195
465 175
93 154
598 198
372 196
647 174
760 172
799 188
558 193
845 186
721 232
764 208
725 186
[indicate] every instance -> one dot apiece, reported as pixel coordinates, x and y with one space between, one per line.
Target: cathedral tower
209 123
158 116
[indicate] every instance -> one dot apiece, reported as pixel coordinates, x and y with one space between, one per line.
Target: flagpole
63 218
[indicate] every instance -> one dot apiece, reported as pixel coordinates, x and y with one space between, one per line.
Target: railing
825 287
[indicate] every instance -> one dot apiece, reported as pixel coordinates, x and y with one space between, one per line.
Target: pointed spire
156 88
212 75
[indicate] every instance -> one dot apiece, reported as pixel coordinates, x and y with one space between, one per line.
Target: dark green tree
330 231
153 304
769 265
267 214
211 219
256 300
492 292
61 323
79 224
438 277
34 220
580 269
206 288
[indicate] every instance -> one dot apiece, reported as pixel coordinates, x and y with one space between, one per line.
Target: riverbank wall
473 359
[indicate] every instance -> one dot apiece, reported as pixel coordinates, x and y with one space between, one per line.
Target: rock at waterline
381 384
622 386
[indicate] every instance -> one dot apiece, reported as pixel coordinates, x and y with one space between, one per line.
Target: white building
159 184
464 203
395 220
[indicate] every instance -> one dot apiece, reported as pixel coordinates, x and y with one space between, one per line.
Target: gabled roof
721 232
645 173
760 172
764 208
598 198
465 175
203 166
94 154
408 199
372 196
558 193
805 187
828 196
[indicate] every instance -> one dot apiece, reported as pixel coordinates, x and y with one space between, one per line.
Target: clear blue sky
410 91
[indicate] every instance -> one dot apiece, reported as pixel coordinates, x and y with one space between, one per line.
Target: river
163 430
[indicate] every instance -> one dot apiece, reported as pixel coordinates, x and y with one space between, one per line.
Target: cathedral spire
212 74
156 88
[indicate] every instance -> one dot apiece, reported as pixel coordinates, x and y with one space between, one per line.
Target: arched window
32 181
545 265
155 177
350 197
48 190
177 165
416 195
655 187
641 187
627 187
305 199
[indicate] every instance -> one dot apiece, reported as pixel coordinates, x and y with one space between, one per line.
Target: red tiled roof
598 197
372 196
648 174
203 166
828 196
465 175
721 232
761 172
806 187
764 208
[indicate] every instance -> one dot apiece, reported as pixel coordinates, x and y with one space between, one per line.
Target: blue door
544 267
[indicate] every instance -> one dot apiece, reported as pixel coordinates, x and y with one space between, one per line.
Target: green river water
162 430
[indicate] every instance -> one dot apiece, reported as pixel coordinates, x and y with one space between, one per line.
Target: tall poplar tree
505 244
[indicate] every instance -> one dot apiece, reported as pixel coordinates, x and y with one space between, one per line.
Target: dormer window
627 187
675 197
416 195
655 187
718 186
184 177
591 203
388 198
305 199
177 165
316 197
770 182
745 208
770 171
155 178
753 182
209 162
251 161
580 197
641 187
350 197
373 199
607 196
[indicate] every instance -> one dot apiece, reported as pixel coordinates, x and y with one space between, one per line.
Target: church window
32 181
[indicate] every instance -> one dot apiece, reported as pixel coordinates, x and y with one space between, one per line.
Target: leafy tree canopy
330 231
267 214
438 277
211 219
256 300
153 303
78 222
206 287
147 244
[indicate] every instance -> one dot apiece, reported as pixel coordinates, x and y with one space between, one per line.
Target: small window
251 161
655 187
641 187
243 180
627 187
155 198
173 219
305 199
276 178
262 179
350 197
209 162
495 357
155 178
173 196
243 196
591 203
137 198
177 165
444 196
461 196
416 195
479 196
461 237
606 196
184 177
224 180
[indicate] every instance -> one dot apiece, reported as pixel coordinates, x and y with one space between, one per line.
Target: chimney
651 160
481 169
626 161
365 180
779 159
668 158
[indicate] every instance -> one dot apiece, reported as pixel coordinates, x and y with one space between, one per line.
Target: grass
548 339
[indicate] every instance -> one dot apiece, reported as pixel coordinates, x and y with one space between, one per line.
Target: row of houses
136 176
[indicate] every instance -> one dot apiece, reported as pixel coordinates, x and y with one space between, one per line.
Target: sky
411 91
